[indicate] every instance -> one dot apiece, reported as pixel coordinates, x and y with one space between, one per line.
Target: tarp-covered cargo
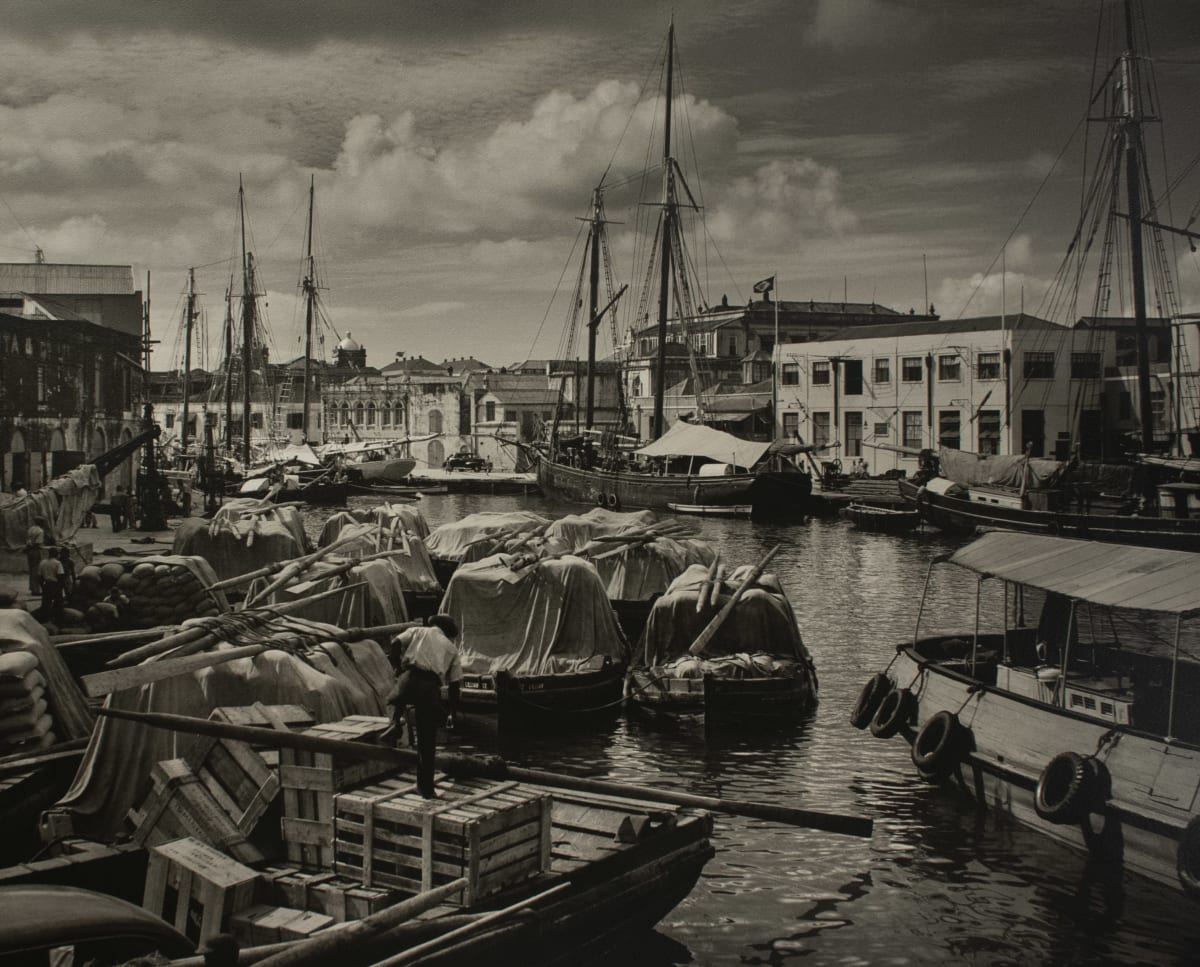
238 546
966 468
693 439
387 517
410 561
477 536
62 503
543 617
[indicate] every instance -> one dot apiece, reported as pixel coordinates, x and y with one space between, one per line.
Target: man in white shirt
426 659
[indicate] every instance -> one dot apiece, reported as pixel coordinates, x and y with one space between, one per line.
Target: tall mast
593 304
1131 130
247 326
310 289
668 227
229 366
188 317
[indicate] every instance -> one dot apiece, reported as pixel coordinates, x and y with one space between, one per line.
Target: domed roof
349 345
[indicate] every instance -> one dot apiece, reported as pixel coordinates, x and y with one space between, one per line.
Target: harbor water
939 882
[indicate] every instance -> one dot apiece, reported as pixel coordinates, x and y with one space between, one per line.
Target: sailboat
688 464
958 491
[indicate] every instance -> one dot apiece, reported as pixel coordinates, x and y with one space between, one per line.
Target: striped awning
1112 575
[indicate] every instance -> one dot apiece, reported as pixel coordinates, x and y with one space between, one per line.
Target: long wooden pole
493 767
707 635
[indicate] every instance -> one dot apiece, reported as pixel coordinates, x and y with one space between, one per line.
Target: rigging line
546 315
628 122
1021 219
18 221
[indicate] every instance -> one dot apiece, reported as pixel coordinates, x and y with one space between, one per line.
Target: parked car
465 461
42 924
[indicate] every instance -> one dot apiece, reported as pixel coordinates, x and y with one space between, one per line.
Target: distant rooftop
48 278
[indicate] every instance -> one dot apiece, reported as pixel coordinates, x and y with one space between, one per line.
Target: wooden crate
495 834
335 896
197 888
311 779
264 924
181 805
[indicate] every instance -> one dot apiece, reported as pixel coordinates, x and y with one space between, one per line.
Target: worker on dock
425 659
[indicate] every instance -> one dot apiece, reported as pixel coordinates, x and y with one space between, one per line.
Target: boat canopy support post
1170 736
1066 656
925 593
1004 623
975 641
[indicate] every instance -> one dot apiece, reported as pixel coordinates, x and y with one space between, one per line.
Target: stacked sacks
146 592
25 722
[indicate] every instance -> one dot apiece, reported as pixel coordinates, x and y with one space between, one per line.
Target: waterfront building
70 370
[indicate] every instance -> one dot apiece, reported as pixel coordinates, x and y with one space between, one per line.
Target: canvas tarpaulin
546 617
692 439
762 621
380 600
966 468
411 562
62 503
387 516
331 681
480 535
235 547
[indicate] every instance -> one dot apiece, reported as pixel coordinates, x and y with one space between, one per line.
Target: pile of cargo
146 592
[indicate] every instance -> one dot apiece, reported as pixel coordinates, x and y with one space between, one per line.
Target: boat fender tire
938 746
868 700
1064 789
1187 859
600 500
612 502
894 713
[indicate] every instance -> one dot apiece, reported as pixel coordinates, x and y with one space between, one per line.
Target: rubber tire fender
612 502
600 499
1064 789
894 712
872 694
1187 858
938 746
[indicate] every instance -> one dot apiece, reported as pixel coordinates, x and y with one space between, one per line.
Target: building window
170 421
820 427
820 372
1039 364
910 369
950 429
912 428
295 421
1085 365
949 369
371 414
398 416
359 414
791 374
345 420
435 421
989 431
852 377
883 370
1158 407
987 366
489 412
1126 349
791 426
385 414
854 434
732 346
882 429
256 420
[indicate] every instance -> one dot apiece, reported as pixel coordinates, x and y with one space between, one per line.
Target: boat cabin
1102 631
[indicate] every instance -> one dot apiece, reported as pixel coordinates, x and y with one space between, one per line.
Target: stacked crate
310 780
197 888
325 893
494 834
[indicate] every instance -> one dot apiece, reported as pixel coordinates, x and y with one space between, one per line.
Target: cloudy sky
843 144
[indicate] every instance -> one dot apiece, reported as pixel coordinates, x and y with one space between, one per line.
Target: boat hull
959 515
534 697
883 519
1152 788
393 471
619 489
734 700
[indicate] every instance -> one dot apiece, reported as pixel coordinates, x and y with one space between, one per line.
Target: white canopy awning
691 439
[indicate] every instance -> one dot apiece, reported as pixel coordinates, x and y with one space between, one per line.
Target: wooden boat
714 652
713 510
963 510
1078 723
890 520
537 637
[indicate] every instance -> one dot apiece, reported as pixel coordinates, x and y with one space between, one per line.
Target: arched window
398 416
637 386
358 413
435 422
385 413
371 413
345 420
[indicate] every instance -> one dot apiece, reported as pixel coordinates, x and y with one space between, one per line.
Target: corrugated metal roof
1112 575
63 279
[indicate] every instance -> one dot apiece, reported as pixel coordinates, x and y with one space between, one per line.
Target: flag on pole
766 285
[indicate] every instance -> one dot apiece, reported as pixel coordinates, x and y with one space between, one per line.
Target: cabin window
912 428
791 374
210 419
820 426
1085 365
910 369
883 370
852 377
949 369
854 434
791 426
950 429
820 372
1039 364
987 366
489 412
989 431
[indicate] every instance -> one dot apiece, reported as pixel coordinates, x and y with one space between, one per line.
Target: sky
880 150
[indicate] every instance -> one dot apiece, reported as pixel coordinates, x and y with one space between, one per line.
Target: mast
247 326
229 366
593 302
1131 131
188 318
668 227
310 290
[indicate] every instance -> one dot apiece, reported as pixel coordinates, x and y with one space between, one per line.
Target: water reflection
939 883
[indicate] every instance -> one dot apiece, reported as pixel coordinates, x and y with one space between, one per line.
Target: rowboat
890 520
713 510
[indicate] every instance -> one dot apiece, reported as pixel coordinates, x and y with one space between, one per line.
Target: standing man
51 572
35 537
425 659
120 509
